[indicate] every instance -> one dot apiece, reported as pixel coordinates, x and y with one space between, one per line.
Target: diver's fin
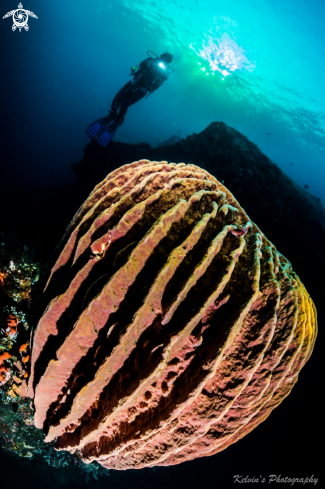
94 129
104 129
106 136
97 126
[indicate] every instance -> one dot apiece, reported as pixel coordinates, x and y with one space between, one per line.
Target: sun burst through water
224 55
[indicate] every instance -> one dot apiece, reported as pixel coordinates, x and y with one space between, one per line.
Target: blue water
264 73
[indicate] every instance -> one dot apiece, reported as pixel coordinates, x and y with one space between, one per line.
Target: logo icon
20 18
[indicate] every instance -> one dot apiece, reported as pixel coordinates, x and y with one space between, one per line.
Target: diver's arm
141 67
134 69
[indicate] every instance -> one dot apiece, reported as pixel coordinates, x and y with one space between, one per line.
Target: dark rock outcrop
172 140
288 215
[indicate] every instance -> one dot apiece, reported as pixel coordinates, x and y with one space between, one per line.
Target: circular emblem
20 18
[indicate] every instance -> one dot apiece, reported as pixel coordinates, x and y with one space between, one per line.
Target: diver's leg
128 95
134 96
116 115
114 120
119 99
98 126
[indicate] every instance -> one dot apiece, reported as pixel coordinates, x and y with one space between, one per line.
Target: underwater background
264 75
258 66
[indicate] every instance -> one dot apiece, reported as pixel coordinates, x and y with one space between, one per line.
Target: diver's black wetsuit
147 77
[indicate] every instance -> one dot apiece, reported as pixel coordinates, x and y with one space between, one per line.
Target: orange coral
4 371
12 324
2 276
4 356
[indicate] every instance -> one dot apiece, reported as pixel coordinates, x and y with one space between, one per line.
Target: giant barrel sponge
172 325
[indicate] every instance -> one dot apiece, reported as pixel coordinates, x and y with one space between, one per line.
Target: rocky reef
21 282
172 325
288 214
19 275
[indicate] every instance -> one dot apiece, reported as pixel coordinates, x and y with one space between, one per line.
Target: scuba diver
147 77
